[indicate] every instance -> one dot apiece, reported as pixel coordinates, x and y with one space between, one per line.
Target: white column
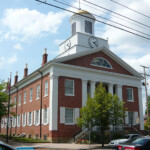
141 109
110 88
84 92
92 88
119 91
53 104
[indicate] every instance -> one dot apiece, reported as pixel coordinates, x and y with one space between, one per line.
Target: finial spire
79 5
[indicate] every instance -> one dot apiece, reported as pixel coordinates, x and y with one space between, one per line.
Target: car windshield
140 141
126 137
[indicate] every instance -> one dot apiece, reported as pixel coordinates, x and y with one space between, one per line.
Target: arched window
101 62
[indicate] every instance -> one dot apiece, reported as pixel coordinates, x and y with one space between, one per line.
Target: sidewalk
60 145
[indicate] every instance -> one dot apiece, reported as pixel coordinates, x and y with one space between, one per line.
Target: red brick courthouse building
48 100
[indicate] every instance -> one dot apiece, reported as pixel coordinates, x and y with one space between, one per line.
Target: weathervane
79 5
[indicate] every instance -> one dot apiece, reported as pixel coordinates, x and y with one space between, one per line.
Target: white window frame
132 95
30 116
45 116
71 94
38 92
15 100
24 97
19 102
18 120
70 123
37 117
2 123
46 89
14 122
31 94
24 119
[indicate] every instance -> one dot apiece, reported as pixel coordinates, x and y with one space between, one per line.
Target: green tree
117 112
4 101
99 111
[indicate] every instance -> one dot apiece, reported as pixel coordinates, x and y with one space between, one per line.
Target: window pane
69 87
129 94
73 28
88 26
101 62
68 115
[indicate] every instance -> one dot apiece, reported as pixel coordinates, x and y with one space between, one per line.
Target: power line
119 17
116 13
44 2
104 18
130 9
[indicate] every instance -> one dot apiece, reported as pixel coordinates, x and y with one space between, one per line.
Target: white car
127 137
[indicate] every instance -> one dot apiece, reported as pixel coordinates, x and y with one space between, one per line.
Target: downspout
16 109
41 104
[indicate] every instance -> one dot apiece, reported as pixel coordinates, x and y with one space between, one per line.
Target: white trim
45 88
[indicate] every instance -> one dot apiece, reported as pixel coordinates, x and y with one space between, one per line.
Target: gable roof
107 52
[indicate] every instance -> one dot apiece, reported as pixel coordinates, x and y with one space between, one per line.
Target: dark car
138 144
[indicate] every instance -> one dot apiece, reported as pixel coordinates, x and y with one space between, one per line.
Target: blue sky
27 27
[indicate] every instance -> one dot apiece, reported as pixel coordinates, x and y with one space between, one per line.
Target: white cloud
58 41
7 61
27 24
18 46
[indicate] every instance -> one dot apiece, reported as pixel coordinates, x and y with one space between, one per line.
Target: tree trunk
102 136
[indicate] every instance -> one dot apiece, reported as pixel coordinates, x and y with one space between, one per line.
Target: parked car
127 137
4 146
138 144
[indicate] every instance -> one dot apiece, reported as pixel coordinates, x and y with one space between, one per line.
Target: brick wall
85 61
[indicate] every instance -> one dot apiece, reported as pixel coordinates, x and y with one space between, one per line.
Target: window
131 117
10 101
18 120
15 101
69 116
101 62
19 100
31 94
14 122
130 94
88 26
69 87
37 91
30 118
73 28
2 123
25 97
24 119
46 88
45 119
37 117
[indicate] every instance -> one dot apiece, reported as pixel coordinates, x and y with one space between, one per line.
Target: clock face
93 42
67 45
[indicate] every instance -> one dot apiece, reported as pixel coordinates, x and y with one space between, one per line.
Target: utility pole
145 75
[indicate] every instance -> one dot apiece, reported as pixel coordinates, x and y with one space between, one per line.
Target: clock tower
82 35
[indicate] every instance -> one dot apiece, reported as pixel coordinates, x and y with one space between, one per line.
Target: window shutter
42 116
135 117
126 117
62 114
22 119
39 118
76 114
31 118
48 115
25 119
34 116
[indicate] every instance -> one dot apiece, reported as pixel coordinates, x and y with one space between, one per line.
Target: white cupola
82 22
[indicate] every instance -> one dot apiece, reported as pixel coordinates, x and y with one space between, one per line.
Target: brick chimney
44 61
16 78
25 70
